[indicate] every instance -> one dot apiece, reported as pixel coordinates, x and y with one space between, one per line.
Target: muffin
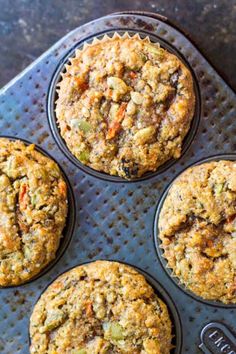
125 105
101 307
33 209
197 227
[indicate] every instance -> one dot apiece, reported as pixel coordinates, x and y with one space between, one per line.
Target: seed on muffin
125 98
33 210
102 307
197 227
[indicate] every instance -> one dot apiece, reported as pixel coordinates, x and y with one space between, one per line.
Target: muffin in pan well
197 227
33 210
125 105
101 307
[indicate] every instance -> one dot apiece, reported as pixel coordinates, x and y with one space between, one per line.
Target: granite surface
28 28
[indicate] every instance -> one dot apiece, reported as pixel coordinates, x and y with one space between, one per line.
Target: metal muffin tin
115 220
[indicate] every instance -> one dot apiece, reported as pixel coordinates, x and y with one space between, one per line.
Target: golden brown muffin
100 308
33 209
197 226
125 105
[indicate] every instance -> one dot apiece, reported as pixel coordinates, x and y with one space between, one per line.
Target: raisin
169 100
129 167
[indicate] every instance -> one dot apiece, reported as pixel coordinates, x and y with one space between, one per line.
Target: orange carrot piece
115 124
62 188
23 196
132 75
89 309
109 93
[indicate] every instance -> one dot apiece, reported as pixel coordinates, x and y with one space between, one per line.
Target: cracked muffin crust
100 308
125 105
33 209
197 227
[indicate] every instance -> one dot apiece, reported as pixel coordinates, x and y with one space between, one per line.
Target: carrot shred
89 309
23 196
115 124
132 75
109 93
62 188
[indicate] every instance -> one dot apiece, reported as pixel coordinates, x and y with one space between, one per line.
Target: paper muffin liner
104 39
115 36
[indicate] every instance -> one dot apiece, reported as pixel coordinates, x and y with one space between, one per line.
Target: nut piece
113 330
81 124
117 84
114 110
144 135
131 108
136 97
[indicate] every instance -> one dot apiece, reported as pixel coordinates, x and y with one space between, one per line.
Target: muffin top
125 105
33 209
101 307
197 226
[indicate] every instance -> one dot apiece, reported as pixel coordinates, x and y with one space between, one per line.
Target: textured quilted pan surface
114 220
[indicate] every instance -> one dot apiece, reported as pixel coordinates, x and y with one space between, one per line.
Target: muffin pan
115 220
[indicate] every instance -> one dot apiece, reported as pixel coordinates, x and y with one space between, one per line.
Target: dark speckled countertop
28 28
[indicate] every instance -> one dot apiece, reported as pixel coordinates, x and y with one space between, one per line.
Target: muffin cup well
160 292
70 220
52 97
157 241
